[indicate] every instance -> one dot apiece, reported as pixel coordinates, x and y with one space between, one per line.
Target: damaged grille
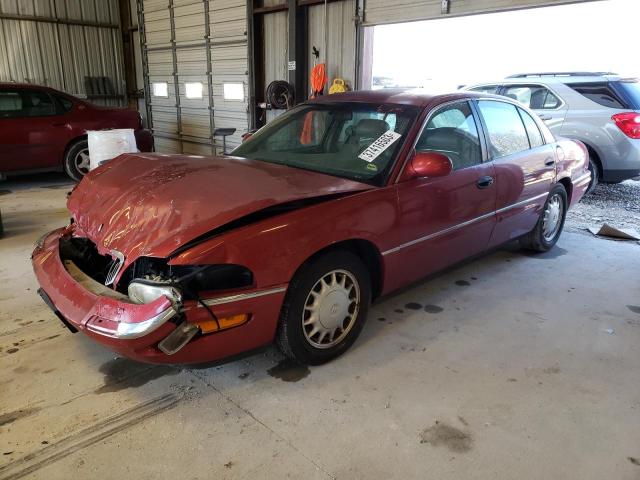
83 252
118 261
191 279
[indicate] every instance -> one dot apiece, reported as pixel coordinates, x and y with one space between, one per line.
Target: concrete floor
512 366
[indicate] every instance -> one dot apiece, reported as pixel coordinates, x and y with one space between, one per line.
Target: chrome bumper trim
129 331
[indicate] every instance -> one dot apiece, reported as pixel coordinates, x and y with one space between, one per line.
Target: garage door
195 72
377 12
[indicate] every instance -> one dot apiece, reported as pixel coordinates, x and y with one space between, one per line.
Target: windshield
350 140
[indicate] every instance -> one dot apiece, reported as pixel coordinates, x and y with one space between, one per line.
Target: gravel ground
615 204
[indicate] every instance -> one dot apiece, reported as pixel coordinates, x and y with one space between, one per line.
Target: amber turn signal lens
209 326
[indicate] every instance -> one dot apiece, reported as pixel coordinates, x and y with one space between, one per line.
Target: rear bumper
144 140
620 161
580 186
134 330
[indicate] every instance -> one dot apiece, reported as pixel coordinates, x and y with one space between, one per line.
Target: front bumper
135 330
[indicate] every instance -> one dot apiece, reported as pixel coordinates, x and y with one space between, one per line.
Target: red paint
153 204
40 142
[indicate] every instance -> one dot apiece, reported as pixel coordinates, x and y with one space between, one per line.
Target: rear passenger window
536 97
37 104
485 89
535 137
505 129
452 131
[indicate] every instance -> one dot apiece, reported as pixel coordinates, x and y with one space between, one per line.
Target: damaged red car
186 259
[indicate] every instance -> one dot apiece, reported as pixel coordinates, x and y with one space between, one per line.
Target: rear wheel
76 160
325 308
549 227
595 171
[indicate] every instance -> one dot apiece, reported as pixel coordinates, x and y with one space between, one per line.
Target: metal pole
207 34
176 83
145 63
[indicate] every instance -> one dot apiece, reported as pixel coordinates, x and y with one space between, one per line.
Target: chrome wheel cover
331 309
81 161
552 218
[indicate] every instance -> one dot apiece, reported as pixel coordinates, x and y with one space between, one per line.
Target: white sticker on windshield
380 145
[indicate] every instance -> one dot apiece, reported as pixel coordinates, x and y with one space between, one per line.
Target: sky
445 53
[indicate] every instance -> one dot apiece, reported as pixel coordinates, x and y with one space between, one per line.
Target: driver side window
453 132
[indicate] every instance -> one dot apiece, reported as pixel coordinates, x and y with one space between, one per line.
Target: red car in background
185 259
43 129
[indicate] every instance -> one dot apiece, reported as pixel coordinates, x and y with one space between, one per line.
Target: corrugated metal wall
341 54
60 42
340 57
195 41
378 12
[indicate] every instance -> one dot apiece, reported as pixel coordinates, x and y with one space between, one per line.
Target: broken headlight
142 291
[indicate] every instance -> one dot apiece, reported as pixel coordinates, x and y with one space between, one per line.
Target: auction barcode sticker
379 145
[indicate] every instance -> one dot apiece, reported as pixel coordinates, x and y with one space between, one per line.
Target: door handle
59 124
549 161
545 117
484 182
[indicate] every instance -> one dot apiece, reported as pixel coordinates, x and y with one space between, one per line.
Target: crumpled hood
151 204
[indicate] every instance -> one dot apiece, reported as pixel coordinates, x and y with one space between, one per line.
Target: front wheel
549 227
325 308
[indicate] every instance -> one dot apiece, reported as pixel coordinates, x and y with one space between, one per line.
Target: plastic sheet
105 145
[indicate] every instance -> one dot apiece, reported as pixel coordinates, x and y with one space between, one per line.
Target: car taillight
629 123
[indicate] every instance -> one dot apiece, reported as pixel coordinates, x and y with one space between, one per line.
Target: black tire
292 336
595 173
536 240
72 166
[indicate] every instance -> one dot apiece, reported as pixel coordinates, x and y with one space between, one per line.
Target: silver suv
602 110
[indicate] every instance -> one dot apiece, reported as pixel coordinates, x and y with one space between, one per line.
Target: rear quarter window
64 104
630 90
602 93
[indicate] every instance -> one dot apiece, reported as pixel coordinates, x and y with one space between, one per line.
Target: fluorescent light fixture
160 89
233 91
193 90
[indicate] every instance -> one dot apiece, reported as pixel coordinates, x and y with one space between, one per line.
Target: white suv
602 110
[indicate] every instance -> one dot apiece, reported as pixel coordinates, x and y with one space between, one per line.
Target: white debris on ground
615 204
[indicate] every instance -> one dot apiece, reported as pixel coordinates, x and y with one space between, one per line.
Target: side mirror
429 164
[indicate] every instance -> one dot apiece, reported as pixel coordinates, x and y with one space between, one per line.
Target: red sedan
184 259
42 129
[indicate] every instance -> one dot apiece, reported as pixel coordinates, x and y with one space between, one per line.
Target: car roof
18 85
555 78
393 96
